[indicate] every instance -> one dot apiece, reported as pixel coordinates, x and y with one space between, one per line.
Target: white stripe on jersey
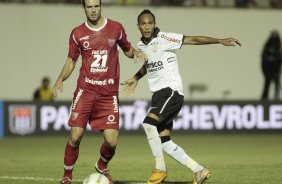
74 39
120 37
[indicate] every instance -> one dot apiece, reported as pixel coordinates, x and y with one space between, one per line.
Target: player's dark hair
45 79
83 2
146 11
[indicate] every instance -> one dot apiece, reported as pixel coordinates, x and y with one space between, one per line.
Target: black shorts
166 104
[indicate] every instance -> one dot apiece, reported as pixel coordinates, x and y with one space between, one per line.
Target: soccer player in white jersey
166 85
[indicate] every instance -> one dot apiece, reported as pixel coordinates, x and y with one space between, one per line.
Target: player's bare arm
202 40
131 84
65 73
137 56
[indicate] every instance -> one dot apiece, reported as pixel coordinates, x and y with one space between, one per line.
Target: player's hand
140 57
230 42
58 87
129 87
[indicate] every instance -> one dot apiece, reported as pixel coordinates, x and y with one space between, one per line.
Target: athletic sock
179 155
155 145
71 155
106 154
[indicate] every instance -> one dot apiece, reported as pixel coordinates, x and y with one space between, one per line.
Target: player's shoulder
110 21
79 27
140 43
170 36
161 34
79 31
114 23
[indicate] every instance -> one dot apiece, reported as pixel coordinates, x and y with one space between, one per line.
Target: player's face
92 10
146 26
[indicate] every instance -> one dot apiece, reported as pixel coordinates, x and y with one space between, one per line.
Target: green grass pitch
232 158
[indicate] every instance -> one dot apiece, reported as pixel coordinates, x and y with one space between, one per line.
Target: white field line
30 178
46 179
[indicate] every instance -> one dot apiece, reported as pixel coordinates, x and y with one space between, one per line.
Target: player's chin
93 19
147 36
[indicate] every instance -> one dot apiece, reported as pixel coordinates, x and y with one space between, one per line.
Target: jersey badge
155 47
111 42
74 115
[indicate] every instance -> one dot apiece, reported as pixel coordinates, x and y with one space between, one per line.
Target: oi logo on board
22 119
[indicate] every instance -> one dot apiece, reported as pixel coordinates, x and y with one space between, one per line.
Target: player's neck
97 24
147 40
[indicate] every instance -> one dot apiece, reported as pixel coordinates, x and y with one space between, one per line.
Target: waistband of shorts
167 89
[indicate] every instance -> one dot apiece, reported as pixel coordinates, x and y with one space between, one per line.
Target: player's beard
94 22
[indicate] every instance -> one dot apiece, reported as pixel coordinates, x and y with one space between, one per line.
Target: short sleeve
74 50
171 41
124 44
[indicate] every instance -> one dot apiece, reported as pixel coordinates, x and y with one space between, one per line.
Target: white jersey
162 67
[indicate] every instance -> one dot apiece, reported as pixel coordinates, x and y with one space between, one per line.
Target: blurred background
34 43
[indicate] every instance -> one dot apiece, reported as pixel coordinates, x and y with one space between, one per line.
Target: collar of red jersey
93 29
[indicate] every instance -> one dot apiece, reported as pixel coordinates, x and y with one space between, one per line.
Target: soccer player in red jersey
95 99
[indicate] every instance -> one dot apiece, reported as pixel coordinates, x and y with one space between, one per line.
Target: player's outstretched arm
131 84
230 42
65 73
203 40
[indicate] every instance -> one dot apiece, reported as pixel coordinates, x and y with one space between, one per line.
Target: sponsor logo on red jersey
115 103
77 98
85 42
84 38
99 69
96 82
99 82
111 119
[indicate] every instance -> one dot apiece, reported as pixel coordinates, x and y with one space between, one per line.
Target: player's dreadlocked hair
146 11
83 2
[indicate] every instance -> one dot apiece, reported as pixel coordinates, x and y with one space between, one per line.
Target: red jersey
99 72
